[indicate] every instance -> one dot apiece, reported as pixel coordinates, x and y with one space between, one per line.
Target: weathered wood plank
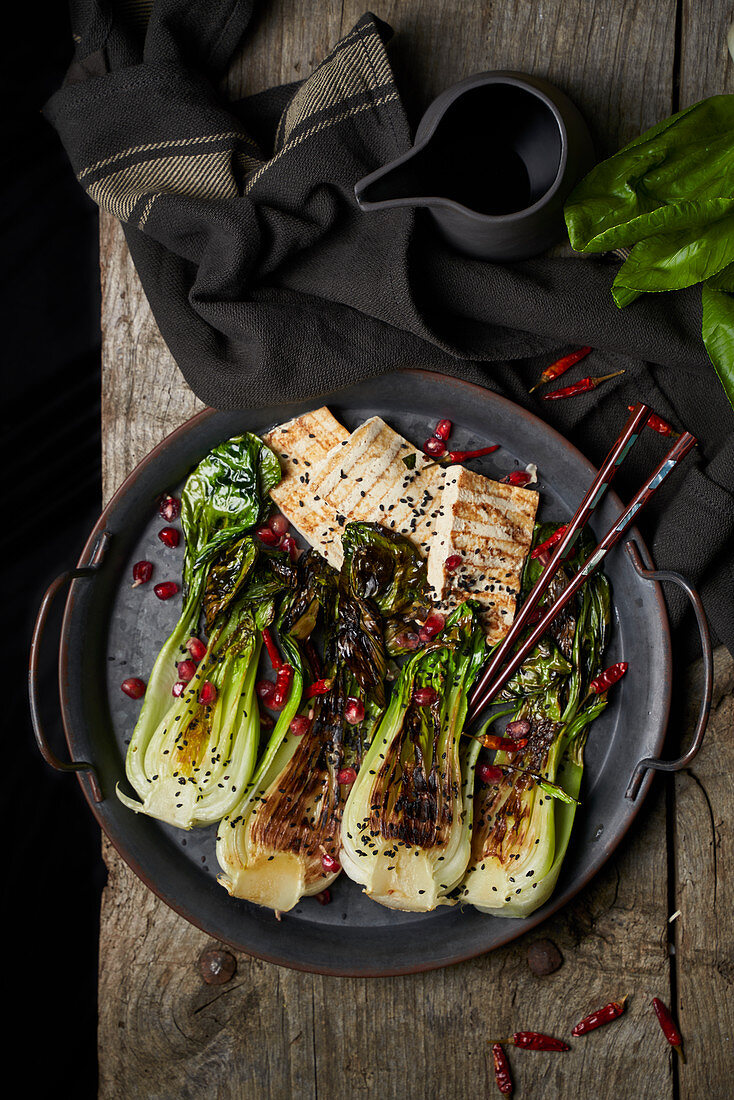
704 894
615 60
706 67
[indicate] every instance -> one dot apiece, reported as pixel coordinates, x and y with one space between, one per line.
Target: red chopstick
488 688
626 440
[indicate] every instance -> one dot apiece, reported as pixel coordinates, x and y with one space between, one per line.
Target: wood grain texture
271 1032
704 894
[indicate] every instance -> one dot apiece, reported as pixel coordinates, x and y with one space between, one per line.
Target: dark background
49 290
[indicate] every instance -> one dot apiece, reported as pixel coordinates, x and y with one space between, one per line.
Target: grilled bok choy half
188 760
406 830
523 821
281 841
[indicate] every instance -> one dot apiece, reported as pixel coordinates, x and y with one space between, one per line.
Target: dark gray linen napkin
269 284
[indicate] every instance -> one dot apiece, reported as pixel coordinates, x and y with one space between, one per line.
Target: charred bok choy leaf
281 842
405 833
188 759
523 820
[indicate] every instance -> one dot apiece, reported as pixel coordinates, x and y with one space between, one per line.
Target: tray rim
523 926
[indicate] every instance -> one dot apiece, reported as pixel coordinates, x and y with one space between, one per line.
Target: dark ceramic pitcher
494 159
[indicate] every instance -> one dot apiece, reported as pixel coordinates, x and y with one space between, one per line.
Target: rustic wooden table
272 1032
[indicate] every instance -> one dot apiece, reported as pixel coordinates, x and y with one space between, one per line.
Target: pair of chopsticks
504 662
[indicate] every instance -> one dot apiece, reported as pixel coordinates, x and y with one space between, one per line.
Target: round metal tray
111 631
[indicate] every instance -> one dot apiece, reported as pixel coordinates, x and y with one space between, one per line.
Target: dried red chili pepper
283 680
582 386
662 427
502 1073
535 1040
608 677
508 744
462 456
555 370
549 542
275 658
603 1015
670 1029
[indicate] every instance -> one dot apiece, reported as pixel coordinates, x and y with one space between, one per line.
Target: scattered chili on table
662 427
582 386
560 366
608 677
502 1073
670 1029
536 1040
604 1015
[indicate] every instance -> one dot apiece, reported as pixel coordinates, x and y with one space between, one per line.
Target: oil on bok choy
405 834
523 820
191 756
282 841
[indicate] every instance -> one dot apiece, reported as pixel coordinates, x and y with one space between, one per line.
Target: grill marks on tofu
366 479
489 524
332 476
302 445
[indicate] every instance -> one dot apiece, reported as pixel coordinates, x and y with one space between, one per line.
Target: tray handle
708 674
38 632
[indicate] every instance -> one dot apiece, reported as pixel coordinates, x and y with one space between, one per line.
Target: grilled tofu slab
361 476
489 524
332 476
302 445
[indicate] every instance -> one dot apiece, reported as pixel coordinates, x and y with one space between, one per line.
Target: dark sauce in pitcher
487 179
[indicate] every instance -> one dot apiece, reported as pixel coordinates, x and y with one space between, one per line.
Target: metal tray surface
111 631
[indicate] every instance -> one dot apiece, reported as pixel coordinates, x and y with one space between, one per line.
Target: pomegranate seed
133 687
433 625
288 543
425 697
169 536
324 898
408 640
265 690
330 864
267 536
165 590
196 648
266 722
278 524
453 561
443 430
519 728
517 477
346 776
178 688
299 725
489 773
142 572
186 670
434 447
208 693
354 711
170 508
